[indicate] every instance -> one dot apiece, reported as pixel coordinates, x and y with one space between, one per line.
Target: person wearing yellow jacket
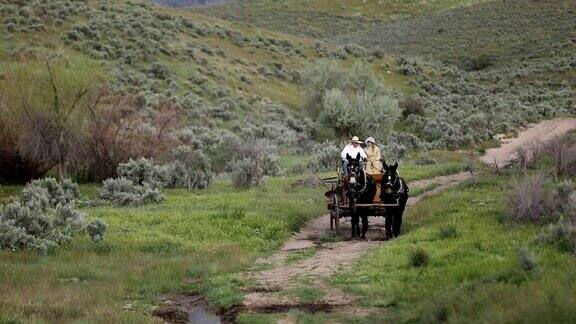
374 160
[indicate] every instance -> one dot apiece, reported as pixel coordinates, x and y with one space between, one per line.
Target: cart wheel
336 214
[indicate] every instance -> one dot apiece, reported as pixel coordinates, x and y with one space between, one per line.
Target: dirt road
540 132
276 287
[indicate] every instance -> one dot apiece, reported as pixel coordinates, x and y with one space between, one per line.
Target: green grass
195 241
202 241
418 191
471 275
299 255
310 294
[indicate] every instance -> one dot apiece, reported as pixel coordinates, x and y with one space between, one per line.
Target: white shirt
353 152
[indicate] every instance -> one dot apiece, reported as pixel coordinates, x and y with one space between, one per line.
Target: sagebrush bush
325 156
68 216
527 260
142 171
49 192
563 233
364 113
424 159
408 66
325 75
477 63
124 192
260 152
246 172
413 105
190 169
529 201
418 258
44 217
96 230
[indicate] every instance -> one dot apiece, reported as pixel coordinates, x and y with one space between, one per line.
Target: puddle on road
199 315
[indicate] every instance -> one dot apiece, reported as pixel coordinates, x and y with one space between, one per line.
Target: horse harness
397 183
357 193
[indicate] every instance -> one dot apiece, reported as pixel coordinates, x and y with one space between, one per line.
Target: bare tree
52 122
48 101
120 128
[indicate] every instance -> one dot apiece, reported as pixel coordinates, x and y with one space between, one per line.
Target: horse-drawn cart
339 204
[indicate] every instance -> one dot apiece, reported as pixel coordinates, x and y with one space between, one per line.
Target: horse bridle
357 193
396 182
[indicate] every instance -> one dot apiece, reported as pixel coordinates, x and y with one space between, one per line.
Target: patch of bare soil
275 286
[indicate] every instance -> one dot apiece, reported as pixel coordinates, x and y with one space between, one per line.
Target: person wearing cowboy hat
374 160
353 149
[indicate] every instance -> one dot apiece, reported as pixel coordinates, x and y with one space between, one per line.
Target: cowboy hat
356 140
371 140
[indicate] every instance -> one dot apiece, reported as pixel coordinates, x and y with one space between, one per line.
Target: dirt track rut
275 286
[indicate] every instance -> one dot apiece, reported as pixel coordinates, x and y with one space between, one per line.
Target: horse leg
398 222
364 226
353 221
388 221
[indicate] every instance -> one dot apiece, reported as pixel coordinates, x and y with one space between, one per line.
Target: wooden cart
339 206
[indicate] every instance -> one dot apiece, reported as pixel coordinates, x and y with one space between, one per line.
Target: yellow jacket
374 165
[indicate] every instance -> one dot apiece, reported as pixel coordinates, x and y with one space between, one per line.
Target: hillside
160 161
186 3
325 18
507 30
212 69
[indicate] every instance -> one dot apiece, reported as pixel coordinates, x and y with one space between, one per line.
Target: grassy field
473 272
207 236
200 241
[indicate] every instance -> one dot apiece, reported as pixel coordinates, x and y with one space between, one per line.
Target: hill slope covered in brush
509 62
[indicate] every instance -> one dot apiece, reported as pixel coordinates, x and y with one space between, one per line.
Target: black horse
361 190
393 191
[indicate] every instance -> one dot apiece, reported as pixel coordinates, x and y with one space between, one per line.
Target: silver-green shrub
246 172
142 171
96 230
563 234
48 192
124 192
325 156
68 216
43 218
190 169
364 113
